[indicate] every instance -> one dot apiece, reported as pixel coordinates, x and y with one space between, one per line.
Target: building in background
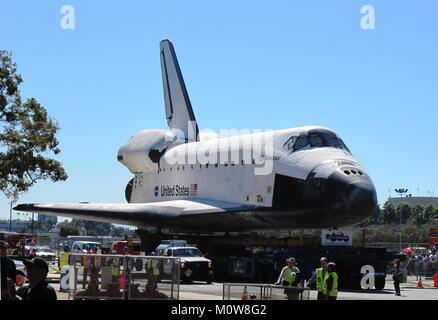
43 217
16 225
413 201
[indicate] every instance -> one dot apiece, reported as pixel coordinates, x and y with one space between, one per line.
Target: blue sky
247 64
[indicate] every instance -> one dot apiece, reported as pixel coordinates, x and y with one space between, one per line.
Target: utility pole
32 224
401 192
10 216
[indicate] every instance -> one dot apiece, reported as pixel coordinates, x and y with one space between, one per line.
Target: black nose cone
362 200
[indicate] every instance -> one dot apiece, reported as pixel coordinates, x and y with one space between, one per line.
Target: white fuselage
226 174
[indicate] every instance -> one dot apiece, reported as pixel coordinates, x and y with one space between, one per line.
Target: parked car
45 253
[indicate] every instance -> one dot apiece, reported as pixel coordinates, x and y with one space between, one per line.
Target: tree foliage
66 228
417 215
27 134
71 228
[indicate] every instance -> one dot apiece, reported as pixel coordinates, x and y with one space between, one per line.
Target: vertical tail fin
179 112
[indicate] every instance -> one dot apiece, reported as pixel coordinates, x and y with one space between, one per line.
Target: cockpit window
290 143
316 139
301 143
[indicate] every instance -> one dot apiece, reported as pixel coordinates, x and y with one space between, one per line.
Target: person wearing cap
288 275
330 289
8 273
38 288
318 277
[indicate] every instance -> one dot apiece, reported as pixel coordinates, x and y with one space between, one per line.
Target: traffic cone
122 281
420 283
245 294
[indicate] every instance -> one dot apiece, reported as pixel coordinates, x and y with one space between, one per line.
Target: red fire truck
16 240
433 236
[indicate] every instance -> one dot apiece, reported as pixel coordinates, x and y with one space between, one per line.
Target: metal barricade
256 291
122 277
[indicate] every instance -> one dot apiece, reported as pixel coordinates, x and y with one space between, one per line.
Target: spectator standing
398 272
38 288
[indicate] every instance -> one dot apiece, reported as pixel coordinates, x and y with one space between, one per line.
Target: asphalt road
214 291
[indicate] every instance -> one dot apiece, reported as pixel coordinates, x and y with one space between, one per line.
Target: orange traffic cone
122 281
245 294
420 283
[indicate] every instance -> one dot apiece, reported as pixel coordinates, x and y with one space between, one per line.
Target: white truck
194 266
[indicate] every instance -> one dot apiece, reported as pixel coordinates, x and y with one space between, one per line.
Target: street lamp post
401 192
10 216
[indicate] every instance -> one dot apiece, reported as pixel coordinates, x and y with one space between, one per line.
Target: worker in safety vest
331 282
152 266
318 277
115 269
288 275
63 257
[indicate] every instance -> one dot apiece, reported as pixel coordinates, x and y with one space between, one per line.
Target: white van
85 246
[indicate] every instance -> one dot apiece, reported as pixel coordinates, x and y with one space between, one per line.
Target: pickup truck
194 266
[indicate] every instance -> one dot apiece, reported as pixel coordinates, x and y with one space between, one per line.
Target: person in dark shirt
32 254
398 274
8 273
38 288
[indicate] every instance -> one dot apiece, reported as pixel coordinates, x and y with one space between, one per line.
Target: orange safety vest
86 262
97 262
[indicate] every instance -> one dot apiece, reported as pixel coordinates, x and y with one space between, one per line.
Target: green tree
429 213
67 228
48 224
403 211
389 213
94 228
418 215
27 134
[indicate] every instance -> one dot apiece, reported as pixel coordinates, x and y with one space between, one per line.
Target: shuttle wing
179 112
136 214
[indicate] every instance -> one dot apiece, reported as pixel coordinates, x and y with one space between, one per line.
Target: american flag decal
193 189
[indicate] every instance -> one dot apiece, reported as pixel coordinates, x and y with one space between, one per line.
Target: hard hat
66 247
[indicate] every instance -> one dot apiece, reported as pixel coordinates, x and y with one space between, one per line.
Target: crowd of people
425 255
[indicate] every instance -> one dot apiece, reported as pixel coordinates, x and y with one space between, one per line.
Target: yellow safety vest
290 277
319 276
115 270
334 291
63 259
155 267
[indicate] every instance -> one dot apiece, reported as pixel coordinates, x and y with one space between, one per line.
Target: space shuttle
191 181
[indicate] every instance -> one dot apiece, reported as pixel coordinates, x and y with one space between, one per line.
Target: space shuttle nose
362 200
